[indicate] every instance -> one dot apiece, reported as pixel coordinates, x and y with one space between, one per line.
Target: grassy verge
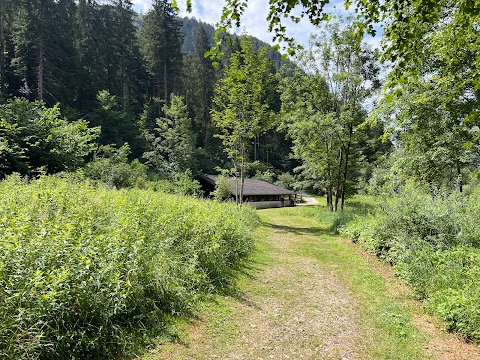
433 241
385 315
284 309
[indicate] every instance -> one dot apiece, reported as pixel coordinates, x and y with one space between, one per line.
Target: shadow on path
299 230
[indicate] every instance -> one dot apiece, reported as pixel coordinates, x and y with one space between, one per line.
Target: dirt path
294 306
307 200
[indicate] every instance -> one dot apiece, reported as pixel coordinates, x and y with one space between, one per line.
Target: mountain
190 29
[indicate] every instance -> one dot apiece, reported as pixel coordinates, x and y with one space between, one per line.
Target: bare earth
292 307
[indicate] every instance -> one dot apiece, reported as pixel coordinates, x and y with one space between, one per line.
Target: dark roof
253 187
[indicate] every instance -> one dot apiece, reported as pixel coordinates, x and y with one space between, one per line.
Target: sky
253 21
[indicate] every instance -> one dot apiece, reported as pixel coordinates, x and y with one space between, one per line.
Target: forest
99 98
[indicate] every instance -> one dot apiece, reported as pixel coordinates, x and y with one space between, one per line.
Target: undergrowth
92 272
433 241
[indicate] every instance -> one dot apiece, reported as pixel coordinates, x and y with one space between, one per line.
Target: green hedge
434 244
85 272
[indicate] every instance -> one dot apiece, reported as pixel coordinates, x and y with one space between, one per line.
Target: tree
161 43
406 21
322 107
6 10
34 136
431 143
241 112
124 62
111 166
42 48
172 143
199 87
118 127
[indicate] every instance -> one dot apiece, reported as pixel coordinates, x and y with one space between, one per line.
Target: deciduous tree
241 111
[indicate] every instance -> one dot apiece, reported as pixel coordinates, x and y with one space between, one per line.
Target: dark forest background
104 63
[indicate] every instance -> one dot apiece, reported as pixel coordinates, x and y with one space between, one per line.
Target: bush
178 183
34 136
286 180
111 166
88 272
223 188
433 240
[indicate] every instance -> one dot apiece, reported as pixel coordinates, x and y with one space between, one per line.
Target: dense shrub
433 240
112 167
85 272
34 136
181 183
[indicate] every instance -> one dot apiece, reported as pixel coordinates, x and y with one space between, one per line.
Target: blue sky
253 22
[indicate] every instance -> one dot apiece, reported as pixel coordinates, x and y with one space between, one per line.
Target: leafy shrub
286 180
180 183
433 240
88 272
267 175
111 166
223 188
34 136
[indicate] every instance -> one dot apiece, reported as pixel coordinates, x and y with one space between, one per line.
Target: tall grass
85 272
434 243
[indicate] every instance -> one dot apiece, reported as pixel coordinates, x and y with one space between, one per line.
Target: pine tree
199 88
42 38
161 42
172 142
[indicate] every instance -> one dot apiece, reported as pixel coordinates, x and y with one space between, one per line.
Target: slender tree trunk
330 197
125 95
345 172
242 174
460 180
2 52
165 82
338 189
41 55
330 180
40 68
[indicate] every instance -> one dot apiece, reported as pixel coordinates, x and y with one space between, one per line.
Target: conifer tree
172 142
161 41
199 88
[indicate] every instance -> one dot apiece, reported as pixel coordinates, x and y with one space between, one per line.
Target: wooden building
257 193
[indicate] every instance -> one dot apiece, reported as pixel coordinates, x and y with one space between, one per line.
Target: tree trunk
165 82
242 174
460 181
345 172
330 198
329 187
40 68
125 94
338 188
2 53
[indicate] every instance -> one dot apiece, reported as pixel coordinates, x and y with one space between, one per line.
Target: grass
311 294
92 272
434 244
384 317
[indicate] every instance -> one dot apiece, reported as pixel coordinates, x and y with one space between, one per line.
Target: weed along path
312 295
